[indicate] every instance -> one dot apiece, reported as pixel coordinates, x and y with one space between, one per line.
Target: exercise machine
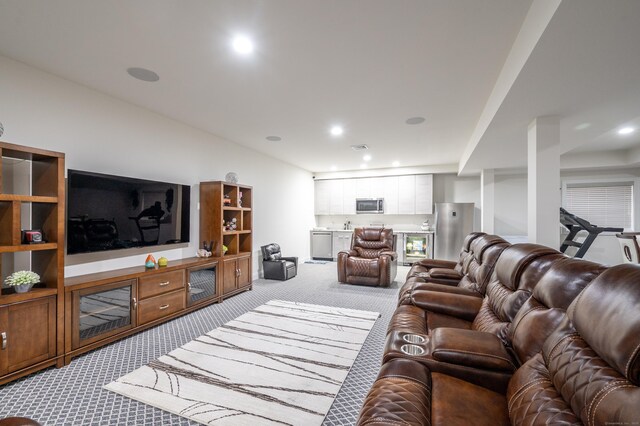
576 224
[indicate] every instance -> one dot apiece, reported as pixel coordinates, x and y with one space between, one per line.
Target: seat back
545 309
629 246
479 265
466 253
517 271
370 242
589 369
271 252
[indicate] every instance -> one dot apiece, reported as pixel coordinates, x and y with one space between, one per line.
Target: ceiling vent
359 147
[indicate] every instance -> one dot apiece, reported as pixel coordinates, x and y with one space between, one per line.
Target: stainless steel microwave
369 205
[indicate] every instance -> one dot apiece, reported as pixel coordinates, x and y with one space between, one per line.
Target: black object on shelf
576 224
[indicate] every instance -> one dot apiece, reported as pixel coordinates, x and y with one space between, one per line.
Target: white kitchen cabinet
341 242
377 187
322 206
349 196
424 194
390 194
407 194
363 187
336 196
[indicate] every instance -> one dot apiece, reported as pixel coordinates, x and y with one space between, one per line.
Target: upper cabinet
424 194
411 194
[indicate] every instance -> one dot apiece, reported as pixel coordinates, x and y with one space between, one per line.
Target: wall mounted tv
106 212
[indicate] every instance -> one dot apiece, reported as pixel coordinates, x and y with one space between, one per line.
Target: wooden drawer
156 284
157 307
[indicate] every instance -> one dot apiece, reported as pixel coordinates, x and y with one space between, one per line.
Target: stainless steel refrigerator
454 221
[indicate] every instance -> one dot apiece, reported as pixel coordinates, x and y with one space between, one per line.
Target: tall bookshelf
222 203
31 197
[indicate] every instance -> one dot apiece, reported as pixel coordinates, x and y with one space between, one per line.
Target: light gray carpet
73 395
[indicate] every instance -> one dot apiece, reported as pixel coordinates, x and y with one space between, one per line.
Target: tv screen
106 212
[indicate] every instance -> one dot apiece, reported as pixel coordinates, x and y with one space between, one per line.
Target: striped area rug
280 364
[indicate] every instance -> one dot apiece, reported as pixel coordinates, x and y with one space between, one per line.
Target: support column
487 197
543 183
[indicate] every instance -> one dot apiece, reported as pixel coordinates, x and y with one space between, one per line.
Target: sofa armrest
470 348
445 273
291 259
348 253
457 305
436 263
392 254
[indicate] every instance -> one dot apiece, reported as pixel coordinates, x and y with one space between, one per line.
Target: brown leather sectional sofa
547 340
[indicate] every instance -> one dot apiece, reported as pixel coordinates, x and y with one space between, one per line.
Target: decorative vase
22 288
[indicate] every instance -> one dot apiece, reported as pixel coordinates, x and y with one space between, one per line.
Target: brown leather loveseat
585 371
546 345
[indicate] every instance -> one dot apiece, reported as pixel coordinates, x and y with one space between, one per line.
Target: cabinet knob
189 287
164 283
135 303
237 272
4 340
163 307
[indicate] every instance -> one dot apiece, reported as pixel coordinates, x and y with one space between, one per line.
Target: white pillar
543 183
487 196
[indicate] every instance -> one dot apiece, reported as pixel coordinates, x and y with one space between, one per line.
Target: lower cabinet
102 311
236 273
103 307
201 284
28 333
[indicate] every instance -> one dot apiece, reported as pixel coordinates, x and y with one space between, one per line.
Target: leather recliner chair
371 260
275 266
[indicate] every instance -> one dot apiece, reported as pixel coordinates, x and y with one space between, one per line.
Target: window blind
605 205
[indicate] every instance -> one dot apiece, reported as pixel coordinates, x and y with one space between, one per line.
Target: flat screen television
106 212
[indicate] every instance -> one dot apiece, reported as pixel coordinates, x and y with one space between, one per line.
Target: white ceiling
584 69
368 65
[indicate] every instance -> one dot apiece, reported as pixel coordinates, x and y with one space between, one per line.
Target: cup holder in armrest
412 349
413 338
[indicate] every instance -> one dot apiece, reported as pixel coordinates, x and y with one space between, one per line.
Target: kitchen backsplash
401 222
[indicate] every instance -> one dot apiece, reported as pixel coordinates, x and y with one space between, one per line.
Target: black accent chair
275 266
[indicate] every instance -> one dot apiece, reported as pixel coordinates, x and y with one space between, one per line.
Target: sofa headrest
466 245
564 280
515 259
483 242
607 316
271 252
373 238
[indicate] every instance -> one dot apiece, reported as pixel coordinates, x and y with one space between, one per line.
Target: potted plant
22 281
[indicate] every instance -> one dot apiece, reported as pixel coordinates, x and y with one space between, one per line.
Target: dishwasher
321 245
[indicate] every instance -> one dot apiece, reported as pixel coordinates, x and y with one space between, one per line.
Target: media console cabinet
106 306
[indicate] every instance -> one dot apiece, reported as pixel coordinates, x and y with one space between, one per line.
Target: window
605 204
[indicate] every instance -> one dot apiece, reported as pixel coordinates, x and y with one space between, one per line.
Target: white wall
102 134
510 204
511 209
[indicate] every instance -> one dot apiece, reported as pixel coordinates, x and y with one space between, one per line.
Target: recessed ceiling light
395 163
415 120
366 157
363 166
336 130
242 45
143 74
334 168
626 130
273 138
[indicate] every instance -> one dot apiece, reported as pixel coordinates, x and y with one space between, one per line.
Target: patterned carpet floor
73 395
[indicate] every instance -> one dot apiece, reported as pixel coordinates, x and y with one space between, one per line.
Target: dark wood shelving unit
32 323
215 213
